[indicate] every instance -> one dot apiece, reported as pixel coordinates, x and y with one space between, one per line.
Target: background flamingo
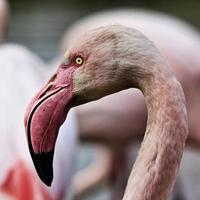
21 71
102 120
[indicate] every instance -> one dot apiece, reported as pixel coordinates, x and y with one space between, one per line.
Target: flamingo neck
158 161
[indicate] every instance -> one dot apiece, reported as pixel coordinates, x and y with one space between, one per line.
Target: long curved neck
157 164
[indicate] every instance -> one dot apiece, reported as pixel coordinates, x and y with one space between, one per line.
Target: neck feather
158 161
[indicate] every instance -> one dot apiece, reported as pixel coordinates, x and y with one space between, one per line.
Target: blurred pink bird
22 74
111 120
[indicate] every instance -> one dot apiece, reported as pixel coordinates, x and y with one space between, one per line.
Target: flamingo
104 61
22 74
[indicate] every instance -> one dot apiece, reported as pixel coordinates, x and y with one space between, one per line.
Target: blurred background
39 26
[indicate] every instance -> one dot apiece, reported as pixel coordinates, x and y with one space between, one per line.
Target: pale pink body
22 74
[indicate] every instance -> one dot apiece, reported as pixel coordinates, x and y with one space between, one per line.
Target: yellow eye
79 61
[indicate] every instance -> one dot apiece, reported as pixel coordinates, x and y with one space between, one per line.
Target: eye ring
79 60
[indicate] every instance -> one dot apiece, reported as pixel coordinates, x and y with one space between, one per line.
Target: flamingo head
96 65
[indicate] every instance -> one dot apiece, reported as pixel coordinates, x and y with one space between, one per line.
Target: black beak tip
44 166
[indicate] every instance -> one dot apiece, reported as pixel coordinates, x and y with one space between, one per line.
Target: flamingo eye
79 60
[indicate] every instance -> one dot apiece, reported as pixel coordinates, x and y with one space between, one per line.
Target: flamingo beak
44 116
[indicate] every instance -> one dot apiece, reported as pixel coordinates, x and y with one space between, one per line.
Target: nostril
43 93
52 78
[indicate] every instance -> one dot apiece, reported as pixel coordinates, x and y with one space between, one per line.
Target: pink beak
44 116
